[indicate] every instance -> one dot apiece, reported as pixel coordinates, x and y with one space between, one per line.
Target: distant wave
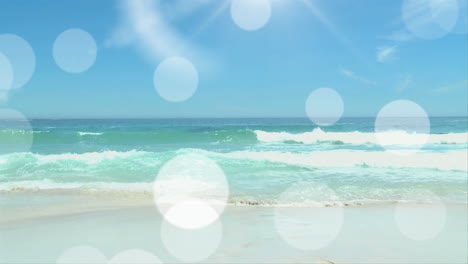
202 136
90 133
214 136
358 138
41 131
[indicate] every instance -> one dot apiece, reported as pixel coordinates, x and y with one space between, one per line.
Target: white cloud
356 77
451 87
386 53
404 83
398 36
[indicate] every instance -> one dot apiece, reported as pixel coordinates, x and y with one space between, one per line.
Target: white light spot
191 214
188 177
430 19
21 56
421 216
134 256
75 50
191 245
6 73
82 255
402 127
324 106
15 132
311 227
176 79
250 14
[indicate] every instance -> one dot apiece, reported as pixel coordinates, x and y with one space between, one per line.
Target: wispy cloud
3 96
404 83
398 36
352 75
451 87
386 53
143 25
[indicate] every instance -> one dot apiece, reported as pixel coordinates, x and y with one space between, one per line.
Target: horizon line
260 117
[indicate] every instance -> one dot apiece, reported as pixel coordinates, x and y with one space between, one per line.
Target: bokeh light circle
309 215
402 127
16 133
420 216
462 23
83 255
191 186
191 245
21 57
6 73
324 106
134 256
430 19
250 14
74 50
191 214
176 79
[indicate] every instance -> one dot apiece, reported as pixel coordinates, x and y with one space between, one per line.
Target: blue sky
360 48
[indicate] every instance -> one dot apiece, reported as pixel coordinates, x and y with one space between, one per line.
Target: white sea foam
116 189
359 138
46 184
451 160
144 190
89 133
88 158
447 160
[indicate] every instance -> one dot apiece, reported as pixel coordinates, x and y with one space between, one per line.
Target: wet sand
37 229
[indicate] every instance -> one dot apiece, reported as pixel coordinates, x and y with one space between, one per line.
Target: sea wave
360 138
41 131
450 160
231 137
90 133
141 165
49 185
88 157
143 137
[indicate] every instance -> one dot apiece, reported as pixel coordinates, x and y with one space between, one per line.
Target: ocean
260 158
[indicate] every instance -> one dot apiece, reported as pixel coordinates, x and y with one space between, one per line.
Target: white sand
36 228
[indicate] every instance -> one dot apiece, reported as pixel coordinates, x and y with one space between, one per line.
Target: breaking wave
358 138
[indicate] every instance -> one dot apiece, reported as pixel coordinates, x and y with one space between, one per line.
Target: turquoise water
260 157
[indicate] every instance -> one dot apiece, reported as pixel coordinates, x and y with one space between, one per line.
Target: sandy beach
368 234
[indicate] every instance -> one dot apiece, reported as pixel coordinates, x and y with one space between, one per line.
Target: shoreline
18 203
368 233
